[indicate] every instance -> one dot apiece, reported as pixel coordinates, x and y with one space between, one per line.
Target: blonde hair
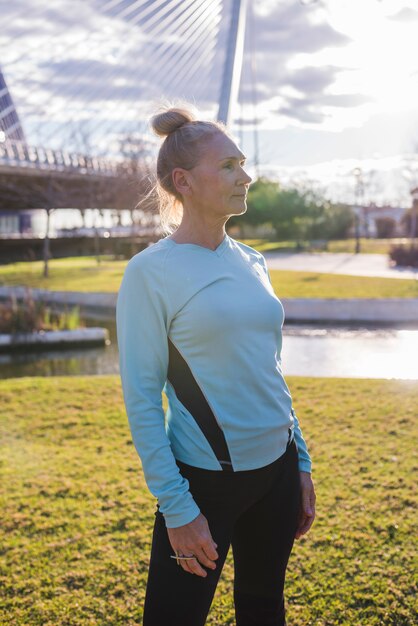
185 137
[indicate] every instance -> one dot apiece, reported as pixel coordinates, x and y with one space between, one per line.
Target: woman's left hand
307 506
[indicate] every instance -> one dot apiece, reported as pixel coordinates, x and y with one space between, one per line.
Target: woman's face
219 183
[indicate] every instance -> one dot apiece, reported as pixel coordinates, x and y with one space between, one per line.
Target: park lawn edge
78 515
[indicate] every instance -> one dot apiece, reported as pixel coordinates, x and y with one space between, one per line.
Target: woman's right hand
194 538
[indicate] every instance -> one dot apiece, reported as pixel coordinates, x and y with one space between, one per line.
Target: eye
229 165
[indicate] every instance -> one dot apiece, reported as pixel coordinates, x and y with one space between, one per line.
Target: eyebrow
234 158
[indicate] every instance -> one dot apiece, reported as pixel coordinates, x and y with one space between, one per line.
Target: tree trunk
46 248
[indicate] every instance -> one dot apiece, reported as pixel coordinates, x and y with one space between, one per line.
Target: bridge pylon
233 62
10 125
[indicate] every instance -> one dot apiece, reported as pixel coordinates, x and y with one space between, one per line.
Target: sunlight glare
380 61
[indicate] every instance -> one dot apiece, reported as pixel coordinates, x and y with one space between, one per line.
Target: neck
208 236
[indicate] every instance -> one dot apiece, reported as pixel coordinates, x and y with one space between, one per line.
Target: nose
246 178
249 179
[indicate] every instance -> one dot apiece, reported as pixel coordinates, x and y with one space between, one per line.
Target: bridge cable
174 58
114 71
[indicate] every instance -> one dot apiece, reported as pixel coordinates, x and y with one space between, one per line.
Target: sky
338 89
331 85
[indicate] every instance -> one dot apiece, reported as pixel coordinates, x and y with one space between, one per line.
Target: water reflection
353 352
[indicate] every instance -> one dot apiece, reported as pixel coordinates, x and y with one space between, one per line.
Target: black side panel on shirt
191 396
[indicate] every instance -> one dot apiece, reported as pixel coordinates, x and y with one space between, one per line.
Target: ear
182 181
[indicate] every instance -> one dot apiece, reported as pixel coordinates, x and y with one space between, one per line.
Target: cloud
281 34
302 111
290 28
405 15
312 80
313 109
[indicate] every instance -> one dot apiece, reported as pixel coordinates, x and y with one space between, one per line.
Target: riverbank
53 340
77 516
399 312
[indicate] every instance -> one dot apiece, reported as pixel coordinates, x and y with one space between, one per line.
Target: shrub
30 316
404 255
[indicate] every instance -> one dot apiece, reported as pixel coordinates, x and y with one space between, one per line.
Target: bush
404 255
385 227
31 316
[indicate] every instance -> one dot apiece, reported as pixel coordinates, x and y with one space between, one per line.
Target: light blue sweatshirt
220 311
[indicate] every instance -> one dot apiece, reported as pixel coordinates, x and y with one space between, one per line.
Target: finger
309 524
300 532
307 506
301 516
184 565
301 524
195 568
304 525
309 515
210 550
191 566
208 545
305 528
203 558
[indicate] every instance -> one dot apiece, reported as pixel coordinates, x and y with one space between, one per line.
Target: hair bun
170 119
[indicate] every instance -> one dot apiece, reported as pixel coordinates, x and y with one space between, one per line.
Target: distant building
16 223
369 214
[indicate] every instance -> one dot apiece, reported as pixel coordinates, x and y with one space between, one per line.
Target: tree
284 209
408 223
297 214
339 219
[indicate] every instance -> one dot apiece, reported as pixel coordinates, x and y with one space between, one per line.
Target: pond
308 350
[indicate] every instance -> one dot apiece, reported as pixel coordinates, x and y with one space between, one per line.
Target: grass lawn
85 274
367 246
77 516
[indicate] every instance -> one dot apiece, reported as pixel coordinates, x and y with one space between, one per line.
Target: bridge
189 48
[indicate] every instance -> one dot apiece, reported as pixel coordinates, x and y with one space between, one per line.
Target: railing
18 153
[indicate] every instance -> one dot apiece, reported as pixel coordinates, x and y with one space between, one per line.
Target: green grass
69 274
265 245
288 284
84 274
367 246
77 516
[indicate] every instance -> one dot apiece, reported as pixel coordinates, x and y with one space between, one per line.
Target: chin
234 211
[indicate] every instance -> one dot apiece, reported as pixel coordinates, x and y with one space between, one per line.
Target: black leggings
255 511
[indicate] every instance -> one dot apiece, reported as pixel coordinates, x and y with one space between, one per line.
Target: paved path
338 263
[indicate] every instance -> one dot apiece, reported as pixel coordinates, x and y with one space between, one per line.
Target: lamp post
358 194
414 211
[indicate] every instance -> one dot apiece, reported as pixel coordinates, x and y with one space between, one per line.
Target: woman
198 319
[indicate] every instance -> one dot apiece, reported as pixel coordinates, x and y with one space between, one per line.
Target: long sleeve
142 324
305 461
